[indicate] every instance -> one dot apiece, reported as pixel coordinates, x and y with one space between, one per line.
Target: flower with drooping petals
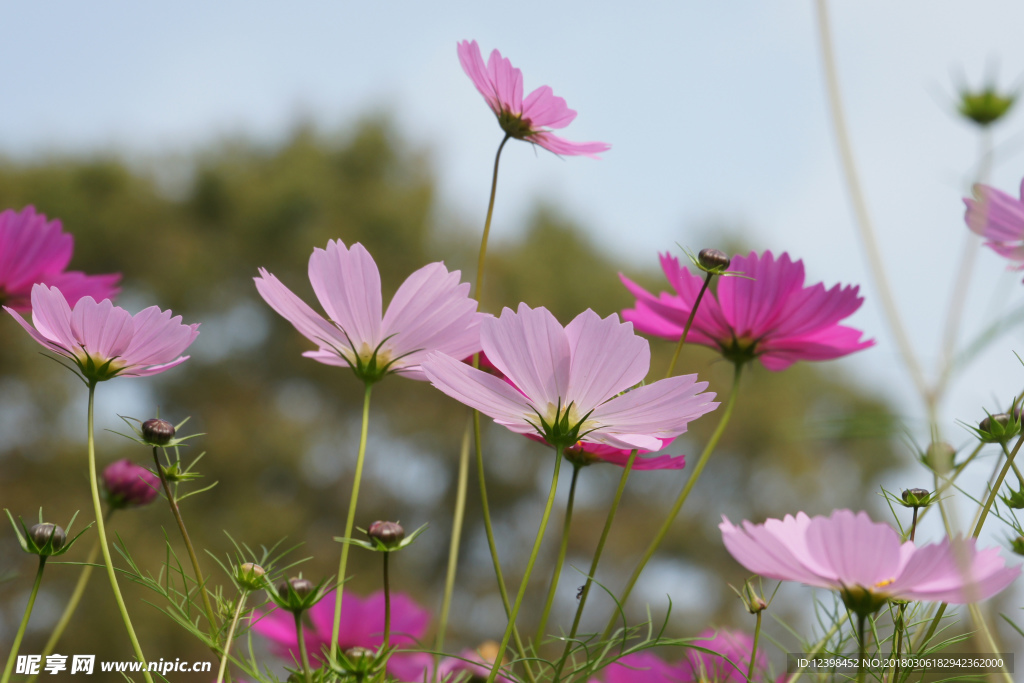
572 384
104 340
431 311
129 485
733 648
36 250
766 314
999 218
585 453
362 625
866 561
531 119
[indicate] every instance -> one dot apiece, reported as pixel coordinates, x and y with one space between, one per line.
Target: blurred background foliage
280 431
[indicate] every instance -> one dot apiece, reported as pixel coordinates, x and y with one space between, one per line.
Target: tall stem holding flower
350 520
562 548
101 530
24 620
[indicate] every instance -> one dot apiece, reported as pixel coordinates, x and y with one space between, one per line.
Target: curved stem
350 520
104 548
683 495
24 620
998 484
492 546
306 671
453 547
689 321
753 653
864 223
593 563
487 222
562 548
529 570
200 581
230 637
76 597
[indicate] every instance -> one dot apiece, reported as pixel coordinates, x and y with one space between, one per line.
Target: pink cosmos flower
999 218
104 340
34 250
431 311
640 667
477 663
362 626
564 384
865 561
531 119
733 648
129 485
767 314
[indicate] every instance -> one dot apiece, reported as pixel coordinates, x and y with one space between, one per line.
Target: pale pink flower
129 485
866 561
362 625
36 250
999 218
564 384
766 314
431 311
531 119
733 648
104 340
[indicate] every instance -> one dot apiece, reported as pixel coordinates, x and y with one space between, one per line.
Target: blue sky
716 113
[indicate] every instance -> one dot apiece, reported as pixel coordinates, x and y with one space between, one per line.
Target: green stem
104 547
76 597
901 626
387 603
487 222
864 223
819 646
453 548
24 620
230 636
753 653
350 520
562 548
200 581
689 321
995 489
306 671
529 570
684 494
593 563
861 671
913 525
492 546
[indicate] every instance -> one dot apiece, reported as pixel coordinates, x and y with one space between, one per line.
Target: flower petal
347 283
607 358
531 349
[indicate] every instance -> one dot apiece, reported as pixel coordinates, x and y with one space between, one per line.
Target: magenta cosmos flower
999 218
766 314
362 625
34 250
129 485
731 662
104 340
866 561
531 119
564 384
431 311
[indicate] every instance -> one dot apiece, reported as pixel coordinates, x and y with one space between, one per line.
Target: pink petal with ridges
31 247
507 81
51 316
102 328
544 109
607 358
860 552
347 283
531 349
159 338
75 285
768 552
563 147
308 322
662 410
473 64
481 391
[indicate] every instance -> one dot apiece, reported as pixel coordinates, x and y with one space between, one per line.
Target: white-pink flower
431 311
577 383
866 561
501 84
104 340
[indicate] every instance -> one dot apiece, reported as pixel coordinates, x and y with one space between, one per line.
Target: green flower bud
48 537
158 432
390 534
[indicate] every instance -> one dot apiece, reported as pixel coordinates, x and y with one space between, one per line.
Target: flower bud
1000 427
157 432
46 533
917 497
250 576
358 653
129 485
939 456
390 534
300 587
713 259
1017 545
986 106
